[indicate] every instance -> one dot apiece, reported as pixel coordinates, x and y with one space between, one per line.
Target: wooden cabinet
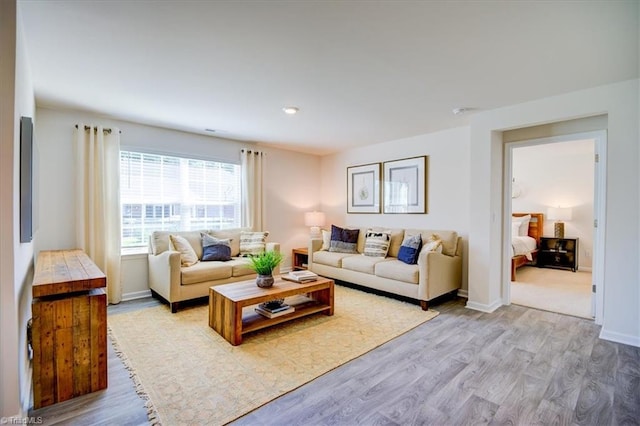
558 253
69 327
299 257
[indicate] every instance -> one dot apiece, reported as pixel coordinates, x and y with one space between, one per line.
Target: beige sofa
176 283
434 275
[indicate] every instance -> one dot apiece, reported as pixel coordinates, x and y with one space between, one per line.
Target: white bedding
522 245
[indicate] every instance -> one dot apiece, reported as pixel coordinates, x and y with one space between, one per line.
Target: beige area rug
193 376
553 290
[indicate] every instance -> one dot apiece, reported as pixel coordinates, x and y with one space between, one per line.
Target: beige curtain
98 201
253 205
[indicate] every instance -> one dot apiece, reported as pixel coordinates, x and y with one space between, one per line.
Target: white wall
621 287
292 182
16 259
447 177
558 174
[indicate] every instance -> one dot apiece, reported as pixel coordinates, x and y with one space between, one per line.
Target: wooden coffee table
231 321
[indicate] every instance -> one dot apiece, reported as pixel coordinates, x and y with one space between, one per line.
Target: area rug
191 375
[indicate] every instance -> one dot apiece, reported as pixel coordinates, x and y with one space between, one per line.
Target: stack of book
274 309
301 276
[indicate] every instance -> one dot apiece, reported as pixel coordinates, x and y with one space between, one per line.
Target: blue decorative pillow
215 249
410 249
343 240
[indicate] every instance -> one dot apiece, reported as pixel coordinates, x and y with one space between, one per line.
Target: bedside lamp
559 214
314 220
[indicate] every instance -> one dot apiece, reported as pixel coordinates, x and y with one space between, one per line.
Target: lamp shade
314 219
558 213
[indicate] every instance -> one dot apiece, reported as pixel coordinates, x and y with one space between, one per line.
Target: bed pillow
215 249
515 228
523 229
376 244
410 249
343 240
252 243
188 255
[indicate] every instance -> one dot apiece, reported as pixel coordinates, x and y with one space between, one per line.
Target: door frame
599 212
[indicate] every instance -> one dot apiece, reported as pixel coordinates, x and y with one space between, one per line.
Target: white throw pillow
523 230
326 240
434 243
377 243
188 255
252 243
515 228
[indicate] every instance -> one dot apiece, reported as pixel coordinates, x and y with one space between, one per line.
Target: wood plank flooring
516 366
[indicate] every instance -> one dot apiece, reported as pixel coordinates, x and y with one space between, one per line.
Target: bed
525 239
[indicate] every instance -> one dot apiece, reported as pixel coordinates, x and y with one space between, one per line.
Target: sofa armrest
164 274
439 274
315 244
274 247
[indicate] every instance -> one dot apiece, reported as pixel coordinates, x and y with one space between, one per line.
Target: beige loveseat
435 274
176 283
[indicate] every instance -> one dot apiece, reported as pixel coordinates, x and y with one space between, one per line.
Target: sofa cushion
410 249
449 239
397 270
330 258
206 271
343 240
215 249
160 241
252 243
377 243
361 263
240 267
188 256
230 234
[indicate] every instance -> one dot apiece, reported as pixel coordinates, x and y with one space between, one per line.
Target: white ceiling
361 72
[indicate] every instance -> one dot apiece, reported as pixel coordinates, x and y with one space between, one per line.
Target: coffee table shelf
231 306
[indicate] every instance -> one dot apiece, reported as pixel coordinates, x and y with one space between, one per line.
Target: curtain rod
106 130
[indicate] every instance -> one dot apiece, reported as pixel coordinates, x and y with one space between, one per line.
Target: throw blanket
523 245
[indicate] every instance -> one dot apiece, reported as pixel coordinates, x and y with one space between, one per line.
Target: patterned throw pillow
188 255
252 243
410 249
434 243
343 240
376 244
215 249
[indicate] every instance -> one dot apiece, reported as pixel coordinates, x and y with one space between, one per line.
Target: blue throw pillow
343 240
410 249
215 249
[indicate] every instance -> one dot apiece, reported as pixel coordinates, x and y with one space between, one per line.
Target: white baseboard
463 293
625 339
136 295
484 308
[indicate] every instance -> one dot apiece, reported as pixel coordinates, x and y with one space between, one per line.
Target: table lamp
559 214
314 220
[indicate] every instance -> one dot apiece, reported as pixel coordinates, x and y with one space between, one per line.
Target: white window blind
160 192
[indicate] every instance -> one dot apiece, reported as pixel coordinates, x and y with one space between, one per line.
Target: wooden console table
69 327
226 303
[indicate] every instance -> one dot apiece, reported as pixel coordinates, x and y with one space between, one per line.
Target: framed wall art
405 185
363 188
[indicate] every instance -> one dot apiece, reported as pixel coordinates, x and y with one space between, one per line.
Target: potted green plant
263 264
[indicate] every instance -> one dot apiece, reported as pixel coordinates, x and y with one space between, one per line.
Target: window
160 192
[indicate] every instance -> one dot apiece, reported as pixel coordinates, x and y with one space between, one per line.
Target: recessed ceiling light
290 110
461 110
210 130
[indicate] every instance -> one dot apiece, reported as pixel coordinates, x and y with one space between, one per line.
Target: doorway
548 176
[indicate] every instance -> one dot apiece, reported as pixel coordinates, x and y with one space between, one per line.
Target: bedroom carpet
191 375
553 290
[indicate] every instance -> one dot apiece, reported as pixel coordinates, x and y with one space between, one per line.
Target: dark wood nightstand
558 253
299 257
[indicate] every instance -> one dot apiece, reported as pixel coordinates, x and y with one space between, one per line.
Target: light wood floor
515 366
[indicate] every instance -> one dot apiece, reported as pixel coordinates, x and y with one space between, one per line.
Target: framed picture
405 185
363 189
